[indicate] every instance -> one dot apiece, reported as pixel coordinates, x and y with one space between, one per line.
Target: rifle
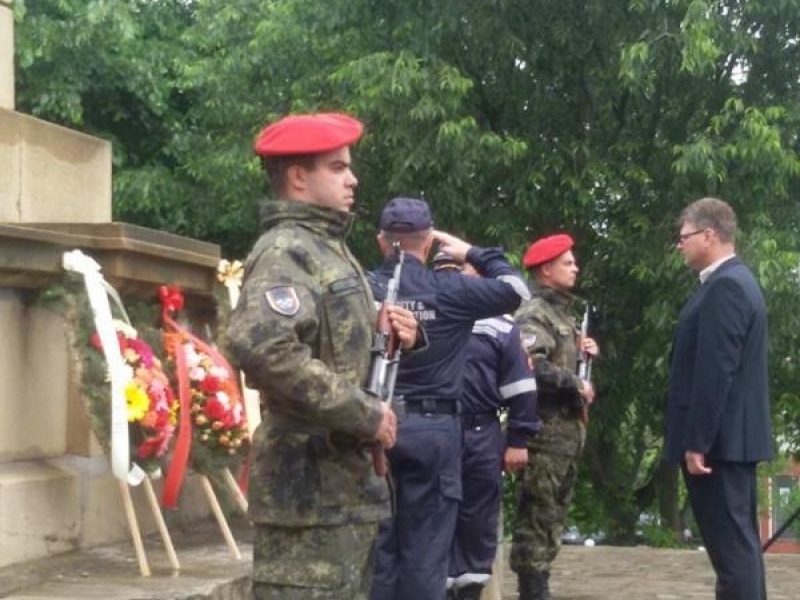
385 359
585 363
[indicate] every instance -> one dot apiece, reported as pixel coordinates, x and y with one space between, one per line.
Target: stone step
209 571
40 510
53 506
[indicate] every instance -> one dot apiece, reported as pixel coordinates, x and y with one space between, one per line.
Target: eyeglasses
682 237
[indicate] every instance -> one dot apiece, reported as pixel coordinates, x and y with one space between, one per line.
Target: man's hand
587 391
387 429
589 346
515 459
450 244
696 463
404 324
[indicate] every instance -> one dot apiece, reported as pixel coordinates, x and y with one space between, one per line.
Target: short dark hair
712 213
413 240
276 168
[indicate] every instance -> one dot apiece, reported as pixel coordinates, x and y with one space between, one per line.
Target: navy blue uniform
412 548
497 375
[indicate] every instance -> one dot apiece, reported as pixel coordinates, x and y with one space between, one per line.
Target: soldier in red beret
553 341
302 332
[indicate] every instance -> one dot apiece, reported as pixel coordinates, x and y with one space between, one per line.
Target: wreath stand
133 525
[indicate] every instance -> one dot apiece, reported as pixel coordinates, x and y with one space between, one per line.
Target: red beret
308 134
546 249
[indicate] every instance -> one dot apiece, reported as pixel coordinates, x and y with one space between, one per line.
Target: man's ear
296 177
429 241
382 244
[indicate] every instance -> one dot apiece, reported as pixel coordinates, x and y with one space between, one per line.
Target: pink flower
197 373
143 350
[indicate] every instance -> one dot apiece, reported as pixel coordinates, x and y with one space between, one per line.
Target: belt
432 406
548 406
475 420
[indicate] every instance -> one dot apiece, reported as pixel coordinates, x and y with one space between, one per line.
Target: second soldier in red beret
553 341
301 332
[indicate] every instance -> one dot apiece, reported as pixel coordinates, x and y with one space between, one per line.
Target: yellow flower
173 413
137 401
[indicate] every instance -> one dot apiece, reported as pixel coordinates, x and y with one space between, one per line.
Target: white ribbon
98 291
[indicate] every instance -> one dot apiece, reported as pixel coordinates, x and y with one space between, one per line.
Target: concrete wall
50 174
34 372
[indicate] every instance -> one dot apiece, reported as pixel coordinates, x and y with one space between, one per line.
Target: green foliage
658 536
509 504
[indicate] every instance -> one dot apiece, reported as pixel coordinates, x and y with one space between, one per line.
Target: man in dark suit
718 418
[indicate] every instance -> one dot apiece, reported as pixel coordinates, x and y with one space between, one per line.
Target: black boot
470 591
533 585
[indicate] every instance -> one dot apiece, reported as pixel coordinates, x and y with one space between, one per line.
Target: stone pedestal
6 55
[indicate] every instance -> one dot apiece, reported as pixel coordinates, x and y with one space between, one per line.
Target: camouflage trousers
312 563
544 494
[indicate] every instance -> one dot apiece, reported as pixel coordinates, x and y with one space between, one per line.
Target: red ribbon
172 301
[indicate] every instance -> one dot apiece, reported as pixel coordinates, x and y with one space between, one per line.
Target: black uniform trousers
412 548
475 542
724 506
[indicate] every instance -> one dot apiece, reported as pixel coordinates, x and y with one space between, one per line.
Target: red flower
150 447
211 384
94 340
214 409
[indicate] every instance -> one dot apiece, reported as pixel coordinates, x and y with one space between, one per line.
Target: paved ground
641 573
210 572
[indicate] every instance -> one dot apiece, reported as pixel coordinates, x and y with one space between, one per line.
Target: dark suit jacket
718 400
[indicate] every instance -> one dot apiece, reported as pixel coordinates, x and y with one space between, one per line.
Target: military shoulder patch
283 300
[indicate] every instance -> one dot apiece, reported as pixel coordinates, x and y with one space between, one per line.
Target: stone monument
56 490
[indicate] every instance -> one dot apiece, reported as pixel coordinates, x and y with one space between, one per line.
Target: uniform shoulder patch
528 340
283 300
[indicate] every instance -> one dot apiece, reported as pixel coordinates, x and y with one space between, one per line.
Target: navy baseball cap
405 215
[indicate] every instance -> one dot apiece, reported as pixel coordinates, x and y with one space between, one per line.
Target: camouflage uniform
547 484
301 333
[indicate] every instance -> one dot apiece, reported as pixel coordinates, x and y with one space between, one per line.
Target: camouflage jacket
301 332
550 335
